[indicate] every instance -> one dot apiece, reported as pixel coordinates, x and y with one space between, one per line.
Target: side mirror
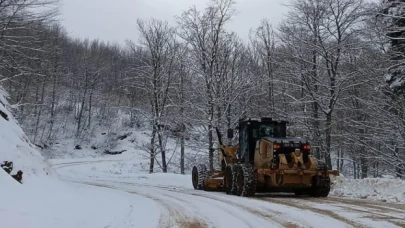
230 133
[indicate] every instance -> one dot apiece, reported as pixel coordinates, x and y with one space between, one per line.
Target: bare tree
159 40
204 33
319 35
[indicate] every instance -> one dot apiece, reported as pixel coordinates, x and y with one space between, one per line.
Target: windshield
269 130
265 131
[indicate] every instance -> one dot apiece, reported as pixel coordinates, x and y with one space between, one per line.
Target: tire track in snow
274 217
264 211
295 202
395 208
375 210
327 213
331 207
173 217
334 209
226 208
76 163
176 217
212 208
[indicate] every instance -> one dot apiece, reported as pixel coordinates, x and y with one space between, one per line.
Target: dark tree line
333 68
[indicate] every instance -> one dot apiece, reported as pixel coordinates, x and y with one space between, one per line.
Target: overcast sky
115 20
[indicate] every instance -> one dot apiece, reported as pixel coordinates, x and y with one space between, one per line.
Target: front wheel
230 183
198 174
245 180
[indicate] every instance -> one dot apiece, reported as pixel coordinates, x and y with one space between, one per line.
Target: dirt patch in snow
192 224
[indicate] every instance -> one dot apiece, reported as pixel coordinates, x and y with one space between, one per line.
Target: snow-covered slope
16 147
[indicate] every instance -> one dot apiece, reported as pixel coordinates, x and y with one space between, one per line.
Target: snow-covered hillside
16 147
132 142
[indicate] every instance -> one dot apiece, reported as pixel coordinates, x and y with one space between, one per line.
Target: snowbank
377 189
16 147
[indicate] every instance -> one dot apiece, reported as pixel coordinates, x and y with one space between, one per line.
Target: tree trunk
328 133
182 149
162 149
210 147
354 170
338 160
53 102
90 107
79 120
39 112
183 126
210 127
152 150
364 166
317 134
375 167
341 161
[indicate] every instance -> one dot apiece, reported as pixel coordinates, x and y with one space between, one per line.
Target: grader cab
265 160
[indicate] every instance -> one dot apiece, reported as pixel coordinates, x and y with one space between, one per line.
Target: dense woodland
333 68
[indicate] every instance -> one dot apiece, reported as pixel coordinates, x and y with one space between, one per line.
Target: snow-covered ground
98 190
182 206
48 202
44 201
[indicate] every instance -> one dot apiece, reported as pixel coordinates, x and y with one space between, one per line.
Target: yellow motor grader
265 160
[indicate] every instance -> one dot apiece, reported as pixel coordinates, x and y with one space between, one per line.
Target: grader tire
198 174
230 183
245 180
320 186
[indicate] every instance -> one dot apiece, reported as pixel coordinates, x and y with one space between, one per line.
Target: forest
333 68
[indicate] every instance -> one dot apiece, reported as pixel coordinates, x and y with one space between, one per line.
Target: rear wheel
198 174
320 186
245 180
230 183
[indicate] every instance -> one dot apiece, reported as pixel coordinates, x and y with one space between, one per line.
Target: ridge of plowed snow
376 189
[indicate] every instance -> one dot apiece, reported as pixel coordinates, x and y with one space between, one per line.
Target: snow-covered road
181 206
